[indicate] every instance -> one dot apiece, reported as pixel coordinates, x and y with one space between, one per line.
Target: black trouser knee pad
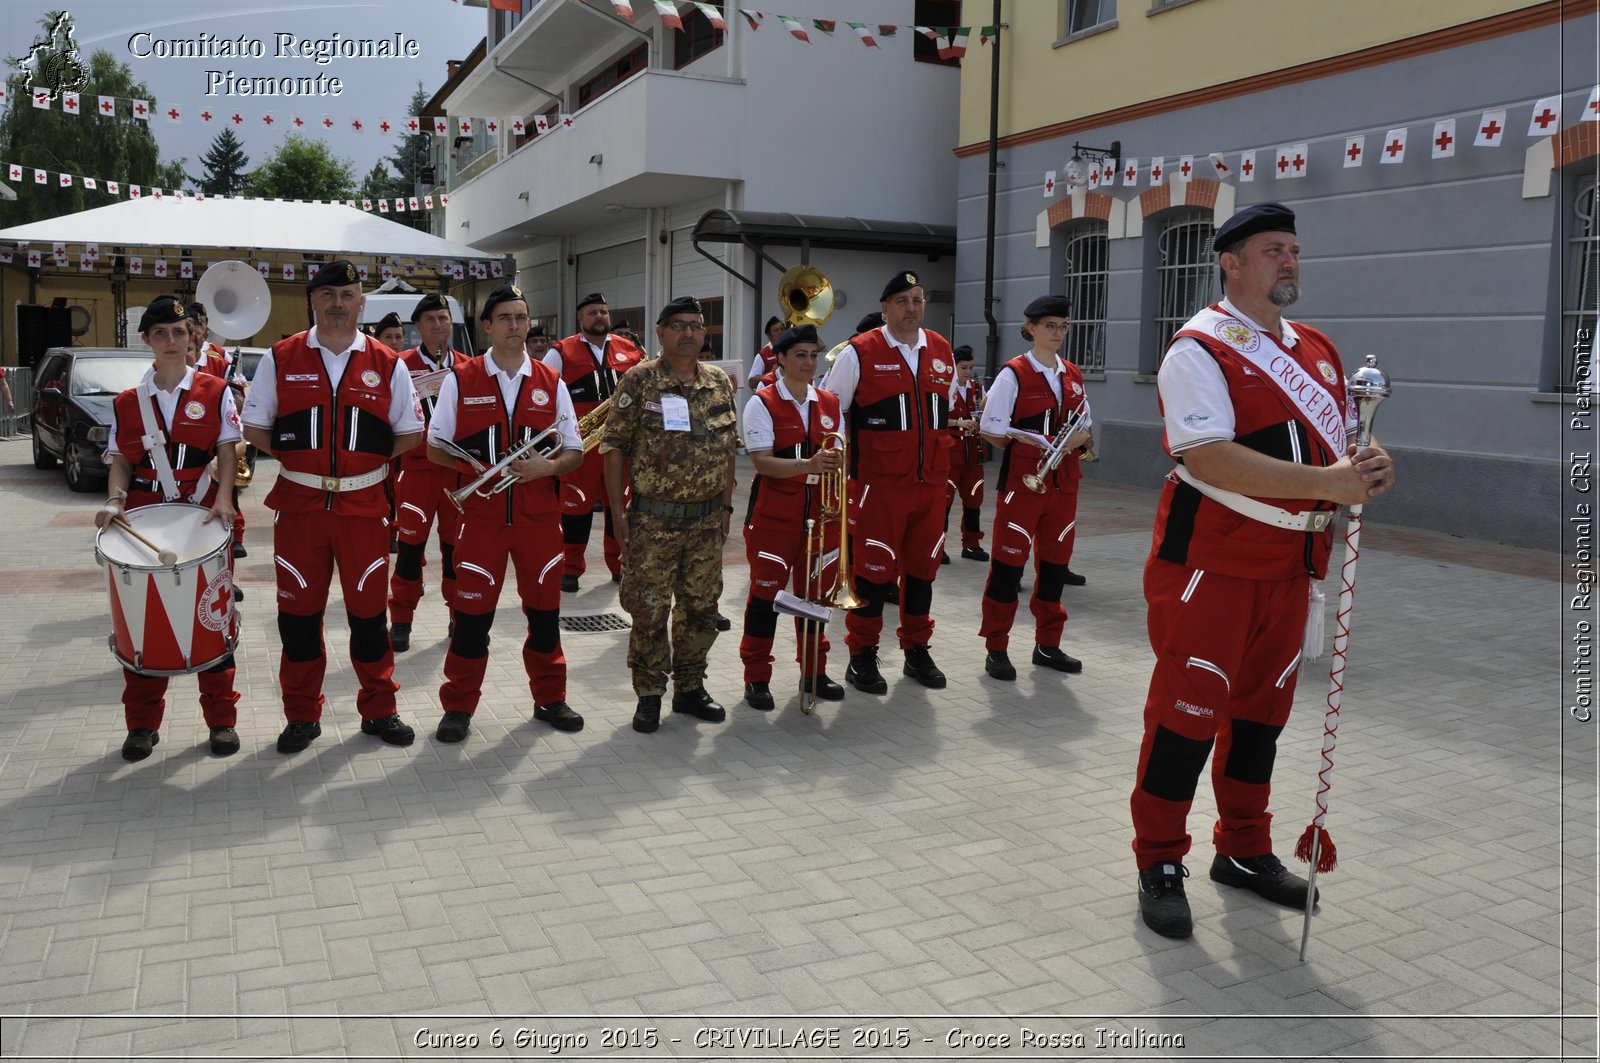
471 638
1051 579
918 599
575 528
1003 582
760 619
408 561
447 560
301 636
221 666
873 594
544 630
369 637
1252 752
970 520
1174 766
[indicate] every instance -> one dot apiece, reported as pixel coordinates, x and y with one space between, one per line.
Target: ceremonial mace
1367 387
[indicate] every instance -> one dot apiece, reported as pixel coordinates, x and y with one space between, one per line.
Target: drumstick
163 555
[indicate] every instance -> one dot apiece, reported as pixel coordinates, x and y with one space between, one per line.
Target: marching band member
487 407
590 362
538 342
894 383
214 359
765 362
333 406
783 430
966 458
1036 392
193 417
419 492
389 331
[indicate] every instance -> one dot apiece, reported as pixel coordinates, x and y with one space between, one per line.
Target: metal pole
992 341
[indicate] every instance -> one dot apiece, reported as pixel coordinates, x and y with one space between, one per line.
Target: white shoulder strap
155 444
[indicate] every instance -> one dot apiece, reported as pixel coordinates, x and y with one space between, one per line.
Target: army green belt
654 507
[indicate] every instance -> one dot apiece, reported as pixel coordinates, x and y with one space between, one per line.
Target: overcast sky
373 88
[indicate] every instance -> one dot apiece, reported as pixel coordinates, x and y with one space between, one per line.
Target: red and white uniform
898 402
966 463
214 360
1028 394
1228 594
196 418
488 412
591 376
762 365
418 496
775 526
332 414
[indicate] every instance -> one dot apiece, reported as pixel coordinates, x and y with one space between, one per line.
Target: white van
381 304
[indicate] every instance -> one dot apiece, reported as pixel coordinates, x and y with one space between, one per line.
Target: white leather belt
336 483
1314 520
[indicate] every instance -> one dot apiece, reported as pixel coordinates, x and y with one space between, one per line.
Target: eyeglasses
685 326
1051 326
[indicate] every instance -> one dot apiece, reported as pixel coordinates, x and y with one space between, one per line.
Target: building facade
618 137
1466 267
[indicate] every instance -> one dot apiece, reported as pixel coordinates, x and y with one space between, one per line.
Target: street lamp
1074 167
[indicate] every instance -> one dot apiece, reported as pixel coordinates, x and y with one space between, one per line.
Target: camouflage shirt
674 466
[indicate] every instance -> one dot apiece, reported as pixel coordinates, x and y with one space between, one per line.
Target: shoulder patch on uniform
624 400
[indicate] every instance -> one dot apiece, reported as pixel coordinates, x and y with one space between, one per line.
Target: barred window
1188 270
1086 289
1578 315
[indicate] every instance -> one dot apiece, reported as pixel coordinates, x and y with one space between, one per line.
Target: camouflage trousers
672 567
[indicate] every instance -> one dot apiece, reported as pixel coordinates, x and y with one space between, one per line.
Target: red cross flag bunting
136 266
1491 129
14 172
35 259
1355 151
174 113
464 127
93 251
1157 169
186 269
1094 176
517 127
361 271
41 177
1444 138
496 269
441 127
66 180
427 201
263 267
69 102
541 124
41 100
1108 171
4 98
383 206
59 253
357 125
1394 147
112 188
366 204
412 125
1247 166
1130 172
385 126
491 125
135 192
1591 110
1546 117
327 122
1219 166
1185 169
288 271
298 122
413 203
566 121
108 105
141 110
1300 161
161 267
1049 184
267 120
85 264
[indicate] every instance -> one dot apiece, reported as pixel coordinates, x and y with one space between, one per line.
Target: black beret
338 273
590 300
389 320
683 304
773 320
535 330
798 334
1258 218
1048 306
870 322
197 310
506 293
431 301
163 310
900 282
962 353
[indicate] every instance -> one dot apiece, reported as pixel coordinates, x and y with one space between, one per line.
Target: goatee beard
1286 294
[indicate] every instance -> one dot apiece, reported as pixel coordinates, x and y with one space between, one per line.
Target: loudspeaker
39 328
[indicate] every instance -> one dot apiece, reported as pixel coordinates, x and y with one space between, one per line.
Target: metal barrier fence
18 420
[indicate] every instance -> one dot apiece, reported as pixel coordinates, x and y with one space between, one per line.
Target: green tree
173 175
119 148
225 166
412 152
302 169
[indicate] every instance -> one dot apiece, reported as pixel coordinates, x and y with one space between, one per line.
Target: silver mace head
1368 386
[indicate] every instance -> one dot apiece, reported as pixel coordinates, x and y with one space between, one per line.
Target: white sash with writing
1314 403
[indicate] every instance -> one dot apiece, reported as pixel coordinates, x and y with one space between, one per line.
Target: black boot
920 666
863 673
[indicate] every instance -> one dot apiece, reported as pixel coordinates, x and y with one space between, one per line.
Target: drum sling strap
155 444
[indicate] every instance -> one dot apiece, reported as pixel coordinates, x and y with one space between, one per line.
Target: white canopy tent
251 224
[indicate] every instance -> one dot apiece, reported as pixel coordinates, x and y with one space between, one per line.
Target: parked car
72 413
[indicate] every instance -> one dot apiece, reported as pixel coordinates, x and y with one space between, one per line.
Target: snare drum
170 619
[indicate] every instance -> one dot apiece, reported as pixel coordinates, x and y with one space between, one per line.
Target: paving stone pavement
925 875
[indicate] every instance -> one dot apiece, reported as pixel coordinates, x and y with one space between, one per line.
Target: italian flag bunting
825 25
864 33
752 17
713 16
796 30
887 29
954 45
927 31
668 10
988 33
623 8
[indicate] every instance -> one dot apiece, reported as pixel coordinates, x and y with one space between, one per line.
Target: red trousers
1227 657
1044 525
419 499
482 553
581 489
966 484
144 697
898 528
306 546
776 551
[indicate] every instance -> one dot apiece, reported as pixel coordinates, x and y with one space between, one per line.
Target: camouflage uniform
672 557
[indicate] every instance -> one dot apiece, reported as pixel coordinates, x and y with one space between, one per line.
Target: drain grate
597 622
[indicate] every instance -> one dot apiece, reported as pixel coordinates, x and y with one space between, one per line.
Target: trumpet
1053 454
593 423
814 611
501 468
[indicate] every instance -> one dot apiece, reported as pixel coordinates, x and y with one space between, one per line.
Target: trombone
815 608
501 468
